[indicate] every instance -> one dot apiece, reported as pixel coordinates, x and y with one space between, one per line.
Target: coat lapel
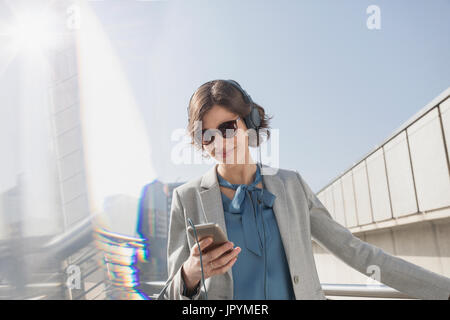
275 185
211 198
211 201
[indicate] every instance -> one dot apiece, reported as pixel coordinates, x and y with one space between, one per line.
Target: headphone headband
245 95
253 119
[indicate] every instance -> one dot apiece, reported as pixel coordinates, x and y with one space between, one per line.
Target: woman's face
233 150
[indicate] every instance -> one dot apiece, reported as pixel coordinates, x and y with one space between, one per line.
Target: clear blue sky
335 88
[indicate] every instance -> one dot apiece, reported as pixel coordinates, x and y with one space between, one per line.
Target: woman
269 219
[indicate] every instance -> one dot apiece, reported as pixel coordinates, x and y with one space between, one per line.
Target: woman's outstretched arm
394 272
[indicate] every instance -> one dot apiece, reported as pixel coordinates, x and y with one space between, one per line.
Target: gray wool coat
300 217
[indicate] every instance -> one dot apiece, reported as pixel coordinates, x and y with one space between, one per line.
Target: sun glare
33 32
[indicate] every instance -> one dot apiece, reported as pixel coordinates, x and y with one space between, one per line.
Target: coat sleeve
177 252
395 272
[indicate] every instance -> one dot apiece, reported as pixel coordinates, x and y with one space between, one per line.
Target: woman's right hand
215 261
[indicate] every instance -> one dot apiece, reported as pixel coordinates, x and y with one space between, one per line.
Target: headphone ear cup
253 121
248 122
256 118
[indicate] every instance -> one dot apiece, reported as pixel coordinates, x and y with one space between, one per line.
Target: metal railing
362 291
44 274
122 275
368 291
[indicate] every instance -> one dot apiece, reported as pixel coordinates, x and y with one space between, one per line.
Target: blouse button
296 279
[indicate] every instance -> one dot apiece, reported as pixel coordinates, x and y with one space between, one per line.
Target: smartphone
209 229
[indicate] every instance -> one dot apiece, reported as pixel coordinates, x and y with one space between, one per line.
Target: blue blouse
261 270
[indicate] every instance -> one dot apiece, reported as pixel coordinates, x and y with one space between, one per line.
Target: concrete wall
426 244
397 197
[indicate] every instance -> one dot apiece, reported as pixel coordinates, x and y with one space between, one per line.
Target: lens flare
34 31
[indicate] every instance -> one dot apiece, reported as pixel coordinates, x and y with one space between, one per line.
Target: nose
220 141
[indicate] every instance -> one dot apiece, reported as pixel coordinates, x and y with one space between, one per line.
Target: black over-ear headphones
253 119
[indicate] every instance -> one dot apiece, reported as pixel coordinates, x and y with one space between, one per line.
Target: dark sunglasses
227 130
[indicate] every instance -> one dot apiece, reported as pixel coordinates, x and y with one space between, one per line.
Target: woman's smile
225 153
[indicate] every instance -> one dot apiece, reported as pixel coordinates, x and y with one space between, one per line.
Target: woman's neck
238 173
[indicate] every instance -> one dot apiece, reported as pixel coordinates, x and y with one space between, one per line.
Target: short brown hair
221 92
